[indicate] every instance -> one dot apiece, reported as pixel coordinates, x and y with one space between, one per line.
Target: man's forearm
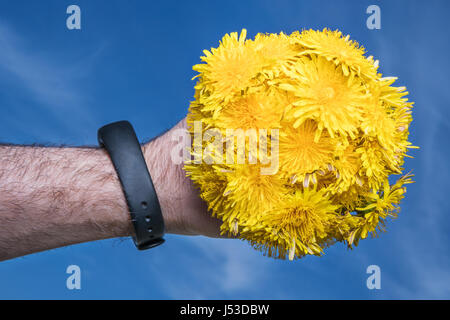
51 197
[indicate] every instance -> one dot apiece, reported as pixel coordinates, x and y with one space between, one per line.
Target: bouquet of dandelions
294 139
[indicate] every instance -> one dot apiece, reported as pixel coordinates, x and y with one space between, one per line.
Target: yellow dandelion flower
373 162
250 191
299 222
348 162
300 153
379 206
260 110
326 95
227 70
275 50
346 53
202 174
377 123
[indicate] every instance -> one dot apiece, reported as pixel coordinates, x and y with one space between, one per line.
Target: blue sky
132 60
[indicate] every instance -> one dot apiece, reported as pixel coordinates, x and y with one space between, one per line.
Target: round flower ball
296 140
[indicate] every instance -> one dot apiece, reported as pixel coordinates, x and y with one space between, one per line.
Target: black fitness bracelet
122 145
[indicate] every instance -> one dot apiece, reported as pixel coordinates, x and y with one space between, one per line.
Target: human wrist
154 155
168 179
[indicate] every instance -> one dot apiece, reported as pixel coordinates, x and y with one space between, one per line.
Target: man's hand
52 197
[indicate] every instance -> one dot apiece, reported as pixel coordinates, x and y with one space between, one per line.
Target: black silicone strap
120 140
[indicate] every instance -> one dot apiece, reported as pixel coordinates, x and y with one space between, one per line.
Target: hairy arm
52 197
